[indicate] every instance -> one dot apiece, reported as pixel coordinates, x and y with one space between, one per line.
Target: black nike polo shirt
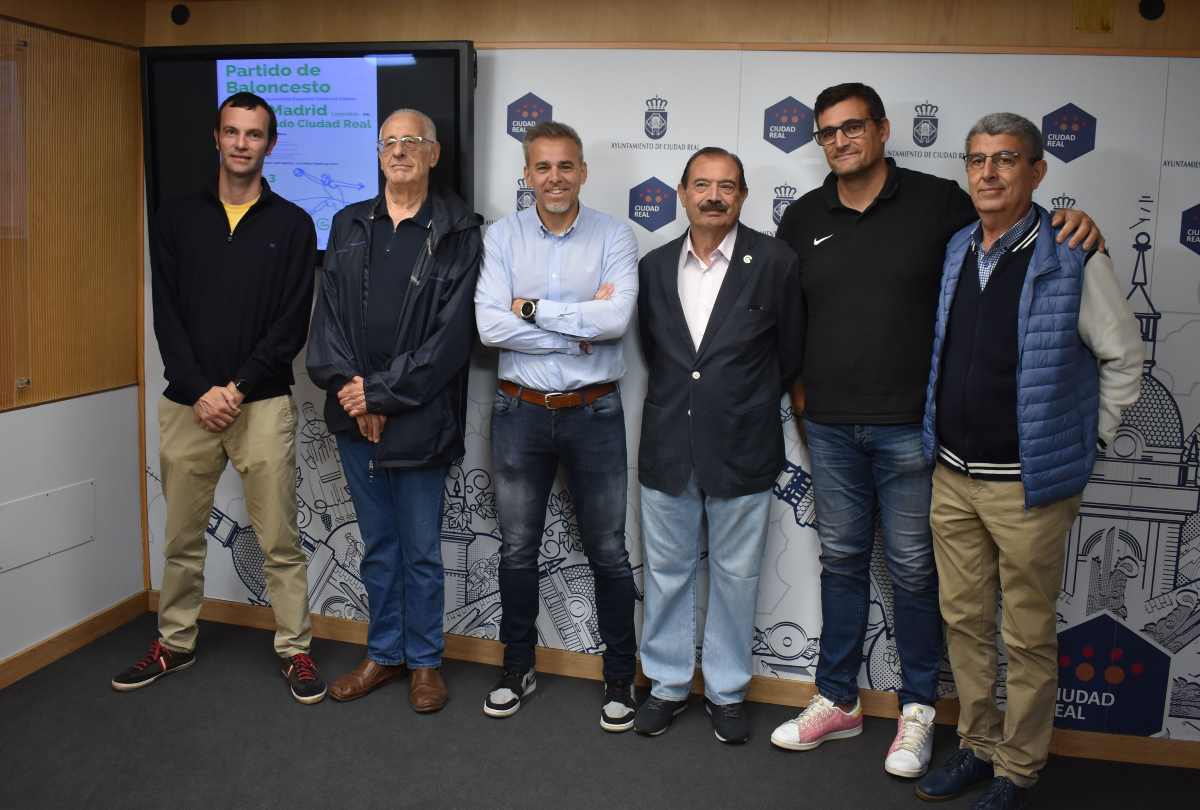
870 282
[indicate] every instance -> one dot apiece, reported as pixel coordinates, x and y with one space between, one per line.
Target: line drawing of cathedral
1135 548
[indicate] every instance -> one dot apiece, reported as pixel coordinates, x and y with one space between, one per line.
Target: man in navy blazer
721 317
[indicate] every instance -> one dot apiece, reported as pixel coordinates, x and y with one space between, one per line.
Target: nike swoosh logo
822 239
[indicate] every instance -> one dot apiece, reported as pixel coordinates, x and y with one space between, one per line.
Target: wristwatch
529 310
240 385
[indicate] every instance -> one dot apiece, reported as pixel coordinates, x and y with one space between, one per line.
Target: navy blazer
714 409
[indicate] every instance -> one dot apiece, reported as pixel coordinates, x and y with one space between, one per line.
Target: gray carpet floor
226 734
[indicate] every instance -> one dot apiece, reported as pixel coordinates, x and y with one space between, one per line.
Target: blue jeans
855 469
528 443
671 534
400 518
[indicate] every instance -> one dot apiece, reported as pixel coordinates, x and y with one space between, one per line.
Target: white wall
46 448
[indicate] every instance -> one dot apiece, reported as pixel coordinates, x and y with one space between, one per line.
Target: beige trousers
986 543
261 443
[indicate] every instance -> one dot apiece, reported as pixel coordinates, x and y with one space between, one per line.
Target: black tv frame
468 74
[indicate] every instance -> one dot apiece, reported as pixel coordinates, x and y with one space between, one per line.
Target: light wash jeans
671 534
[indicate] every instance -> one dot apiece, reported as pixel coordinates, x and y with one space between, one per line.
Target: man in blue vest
1035 355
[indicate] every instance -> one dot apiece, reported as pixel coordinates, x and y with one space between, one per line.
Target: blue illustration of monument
1136 536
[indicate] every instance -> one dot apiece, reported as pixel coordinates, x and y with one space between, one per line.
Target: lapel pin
746 259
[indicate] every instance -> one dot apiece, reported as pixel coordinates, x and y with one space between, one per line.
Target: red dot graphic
1064 661
1138 668
1085 672
1114 675
1116 654
1089 651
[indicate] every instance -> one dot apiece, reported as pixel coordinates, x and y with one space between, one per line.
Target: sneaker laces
304 668
817 709
158 655
1000 788
617 692
913 733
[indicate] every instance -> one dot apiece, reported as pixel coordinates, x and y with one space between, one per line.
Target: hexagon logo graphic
525 113
788 125
1189 229
1069 132
1110 679
652 204
525 196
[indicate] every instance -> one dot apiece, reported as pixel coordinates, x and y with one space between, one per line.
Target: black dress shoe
655 715
729 722
1002 794
961 771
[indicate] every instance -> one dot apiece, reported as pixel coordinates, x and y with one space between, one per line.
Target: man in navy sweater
1035 355
232 278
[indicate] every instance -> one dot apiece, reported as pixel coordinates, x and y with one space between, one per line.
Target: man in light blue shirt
556 293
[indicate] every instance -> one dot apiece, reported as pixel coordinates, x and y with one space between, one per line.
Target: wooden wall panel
83 158
120 21
817 24
14 217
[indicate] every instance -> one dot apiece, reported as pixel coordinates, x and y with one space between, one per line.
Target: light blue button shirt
521 259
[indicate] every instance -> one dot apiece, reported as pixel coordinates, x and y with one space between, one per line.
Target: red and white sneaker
821 720
910 752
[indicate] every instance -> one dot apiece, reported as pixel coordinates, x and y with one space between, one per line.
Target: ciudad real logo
652 204
785 195
925 124
1189 229
655 119
1069 132
525 113
787 125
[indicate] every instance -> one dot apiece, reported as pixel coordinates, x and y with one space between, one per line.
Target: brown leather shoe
426 690
364 679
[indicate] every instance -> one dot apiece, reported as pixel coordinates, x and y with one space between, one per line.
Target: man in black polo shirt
232 275
871 241
391 340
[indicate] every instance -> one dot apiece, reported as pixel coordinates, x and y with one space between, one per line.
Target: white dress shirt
700 281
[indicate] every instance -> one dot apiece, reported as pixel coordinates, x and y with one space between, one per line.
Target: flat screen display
329 101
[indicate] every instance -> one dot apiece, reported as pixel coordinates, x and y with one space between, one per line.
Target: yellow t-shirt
236 212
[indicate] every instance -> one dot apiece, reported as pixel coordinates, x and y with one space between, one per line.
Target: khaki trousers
261 444
986 543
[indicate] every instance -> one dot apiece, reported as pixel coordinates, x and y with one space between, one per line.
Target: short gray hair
550 129
426 121
1005 123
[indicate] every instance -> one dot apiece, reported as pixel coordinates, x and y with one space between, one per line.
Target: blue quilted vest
1058 382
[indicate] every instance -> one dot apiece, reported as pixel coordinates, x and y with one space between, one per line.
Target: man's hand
353 397
516 306
605 292
1079 227
216 409
797 397
370 425
237 396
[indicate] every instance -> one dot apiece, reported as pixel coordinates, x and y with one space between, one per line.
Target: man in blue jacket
1035 355
391 341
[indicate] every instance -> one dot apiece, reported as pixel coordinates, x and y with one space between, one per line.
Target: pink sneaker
909 755
821 720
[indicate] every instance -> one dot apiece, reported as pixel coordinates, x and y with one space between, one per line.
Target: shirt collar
725 248
423 217
1010 238
549 234
830 191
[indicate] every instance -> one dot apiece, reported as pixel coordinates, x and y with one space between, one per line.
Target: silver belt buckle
548 401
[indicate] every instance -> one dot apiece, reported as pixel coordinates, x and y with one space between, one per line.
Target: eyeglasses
1003 160
406 141
851 128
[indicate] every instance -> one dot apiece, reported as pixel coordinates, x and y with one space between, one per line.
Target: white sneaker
821 720
910 752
